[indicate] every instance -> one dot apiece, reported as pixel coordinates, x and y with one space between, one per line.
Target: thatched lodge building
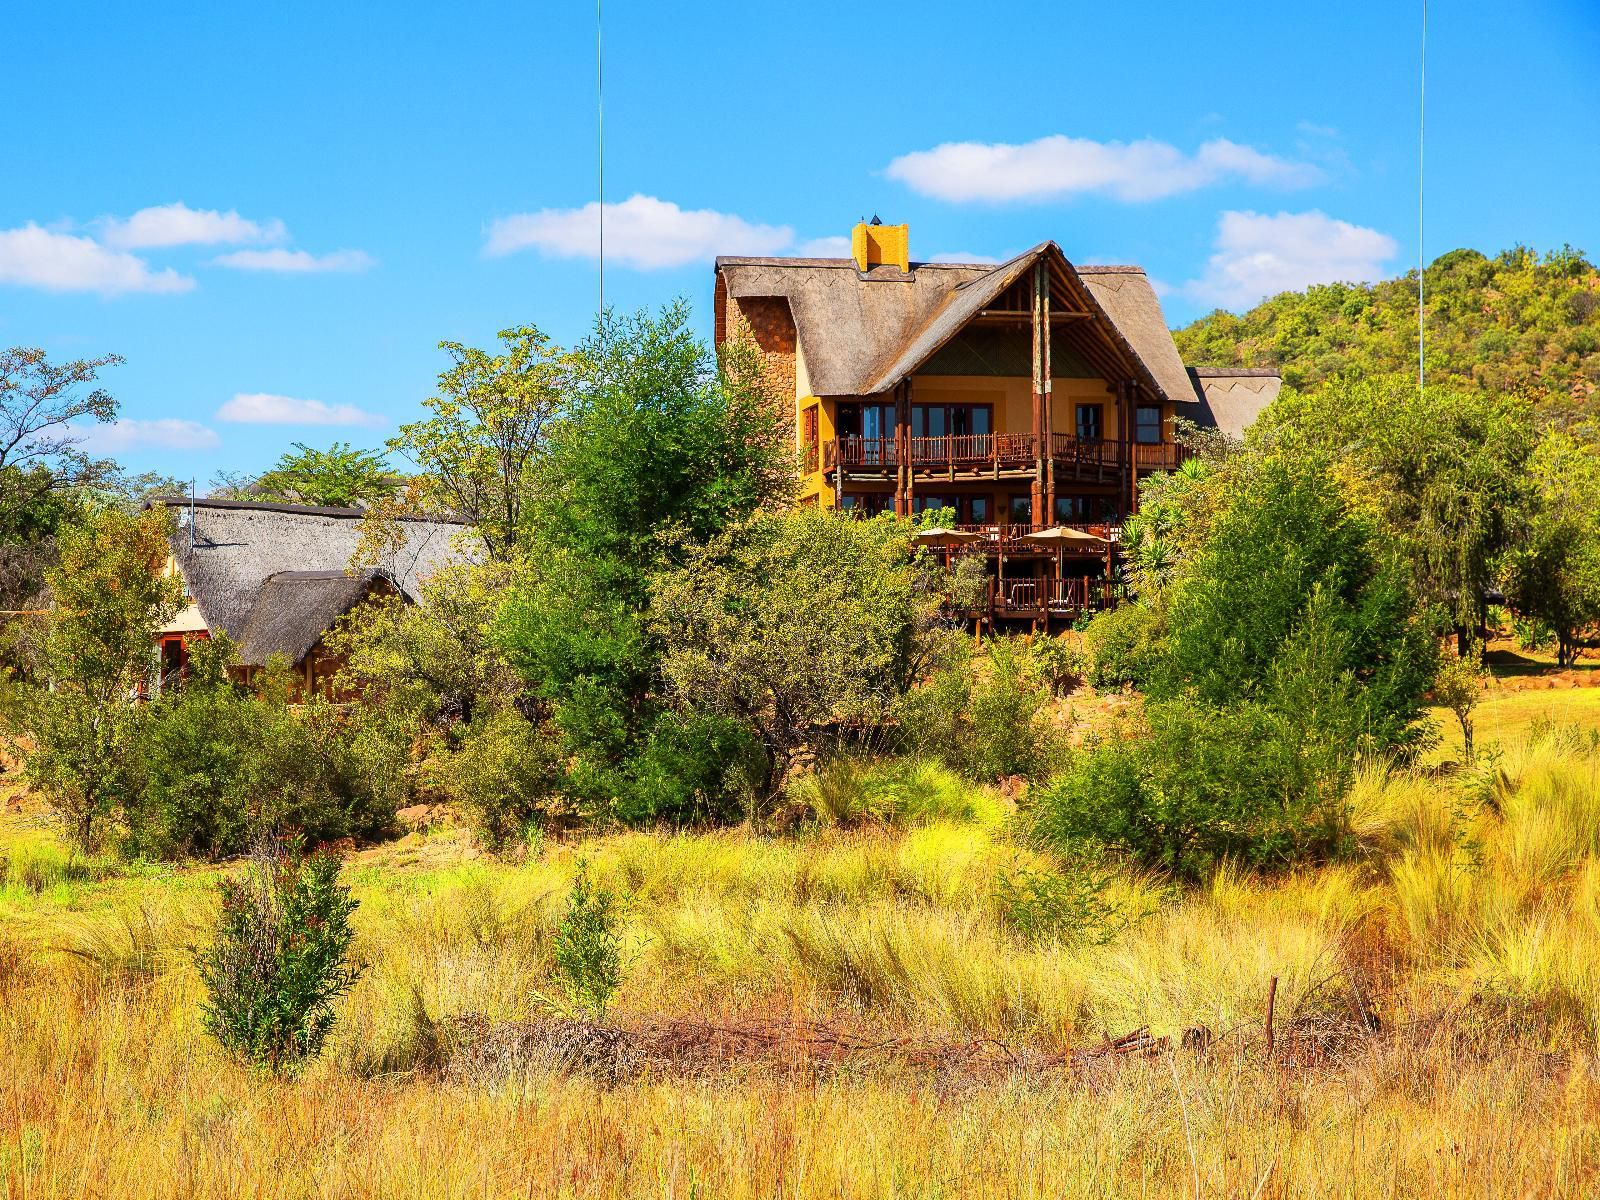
1027 397
277 577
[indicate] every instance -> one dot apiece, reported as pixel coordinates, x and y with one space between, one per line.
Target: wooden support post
903 421
1040 450
1047 402
1272 1000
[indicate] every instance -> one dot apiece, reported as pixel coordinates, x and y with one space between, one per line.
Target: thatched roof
1233 397
862 333
295 608
238 546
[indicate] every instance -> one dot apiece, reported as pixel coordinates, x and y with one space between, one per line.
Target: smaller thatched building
277 577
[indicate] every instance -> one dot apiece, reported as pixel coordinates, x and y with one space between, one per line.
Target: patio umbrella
1063 536
939 536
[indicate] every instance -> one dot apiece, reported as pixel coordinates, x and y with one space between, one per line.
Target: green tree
790 622
280 958
1553 570
1290 562
1459 688
490 422
1440 470
338 477
657 451
111 595
43 409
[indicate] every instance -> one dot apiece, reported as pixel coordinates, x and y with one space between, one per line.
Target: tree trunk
1466 739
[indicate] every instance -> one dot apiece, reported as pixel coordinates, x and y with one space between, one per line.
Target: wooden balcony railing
1159 456
1031 597
976 451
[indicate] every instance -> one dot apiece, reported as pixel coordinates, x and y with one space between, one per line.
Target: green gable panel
986 350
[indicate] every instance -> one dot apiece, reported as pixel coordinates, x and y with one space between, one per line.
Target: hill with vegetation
1519 322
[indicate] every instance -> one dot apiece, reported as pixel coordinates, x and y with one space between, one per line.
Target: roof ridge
283 506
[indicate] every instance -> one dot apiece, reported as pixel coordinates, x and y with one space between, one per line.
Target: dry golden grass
1438 1019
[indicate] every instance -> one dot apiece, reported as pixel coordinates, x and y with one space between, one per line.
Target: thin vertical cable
1422 142
600 133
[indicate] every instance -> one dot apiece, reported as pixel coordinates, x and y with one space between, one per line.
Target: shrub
695 767
588 946
1006 730
217 767
1061 664
503 776
1124 646
984 717
1195 786
279 960
1069 908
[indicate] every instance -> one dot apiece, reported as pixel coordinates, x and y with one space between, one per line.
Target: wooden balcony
1043 598
994 453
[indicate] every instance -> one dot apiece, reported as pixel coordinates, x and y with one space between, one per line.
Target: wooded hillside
1520 321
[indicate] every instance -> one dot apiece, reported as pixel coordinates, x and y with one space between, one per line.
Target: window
1147 424
1091 422
1019 509
1080 510
938 420
868 504
866 420
808 437
969 510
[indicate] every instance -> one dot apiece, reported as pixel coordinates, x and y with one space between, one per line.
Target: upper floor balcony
995 454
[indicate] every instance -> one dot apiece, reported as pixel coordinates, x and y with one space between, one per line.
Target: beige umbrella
945 537
1062 537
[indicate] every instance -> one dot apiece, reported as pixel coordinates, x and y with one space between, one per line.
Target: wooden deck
996 454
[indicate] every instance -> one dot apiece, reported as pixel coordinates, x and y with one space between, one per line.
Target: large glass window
969 510
866 420
1079 510
1019 510
1091 422
868 504
938 420
1147 424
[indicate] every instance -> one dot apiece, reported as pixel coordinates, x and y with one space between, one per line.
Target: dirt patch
479 1051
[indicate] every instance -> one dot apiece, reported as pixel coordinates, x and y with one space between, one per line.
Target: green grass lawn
1506 716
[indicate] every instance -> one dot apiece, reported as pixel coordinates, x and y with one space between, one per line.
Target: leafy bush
984 717
1069 908
695 767
503 776
1197 785
1061 663
588 946
216 767
1007 732
279 959
1123 646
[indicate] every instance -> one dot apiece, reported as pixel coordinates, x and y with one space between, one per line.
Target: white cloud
641 232
160 433
179 225
824 247
263 408
295 261
1059 166
63 262
1257 255
963 256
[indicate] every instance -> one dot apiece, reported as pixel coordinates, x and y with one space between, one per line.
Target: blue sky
276 212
